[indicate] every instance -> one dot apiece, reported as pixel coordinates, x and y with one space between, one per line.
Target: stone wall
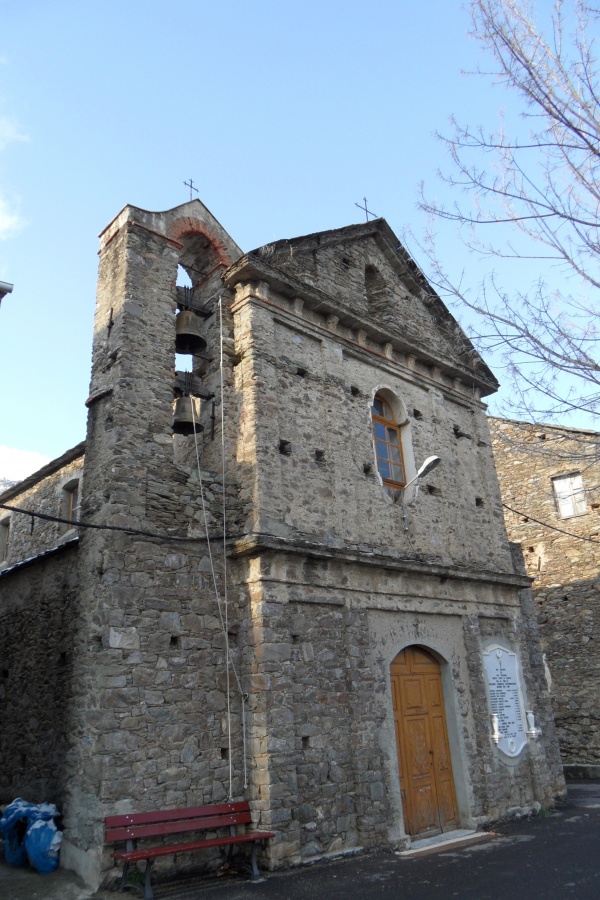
562 558
38 612
44 492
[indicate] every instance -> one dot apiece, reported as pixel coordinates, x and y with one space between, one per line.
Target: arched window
388 444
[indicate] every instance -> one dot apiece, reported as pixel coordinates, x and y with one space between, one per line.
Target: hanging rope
223 468
222 604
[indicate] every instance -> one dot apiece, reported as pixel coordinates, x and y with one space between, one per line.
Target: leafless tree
540 190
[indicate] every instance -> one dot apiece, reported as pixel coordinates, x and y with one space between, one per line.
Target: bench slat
133 832
170 815
153 852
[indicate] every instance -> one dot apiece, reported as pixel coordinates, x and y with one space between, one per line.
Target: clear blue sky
283 114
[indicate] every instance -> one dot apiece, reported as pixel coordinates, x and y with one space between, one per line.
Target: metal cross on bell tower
190 184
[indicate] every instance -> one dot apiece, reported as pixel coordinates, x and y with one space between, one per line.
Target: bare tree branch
544 185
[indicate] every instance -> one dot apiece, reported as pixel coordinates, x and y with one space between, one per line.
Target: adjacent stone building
550 482
277 606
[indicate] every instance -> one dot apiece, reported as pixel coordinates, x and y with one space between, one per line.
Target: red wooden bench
135 826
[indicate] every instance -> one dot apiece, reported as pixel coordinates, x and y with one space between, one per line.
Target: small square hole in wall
479 501
295 639
301 372
5 673
23 760
305 743
285 448
346 262
367 468
354 390
319 456
63 658
174 642
417 414
224 752
432 489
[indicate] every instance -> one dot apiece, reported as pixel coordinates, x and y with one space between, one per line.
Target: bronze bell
183 420
188 336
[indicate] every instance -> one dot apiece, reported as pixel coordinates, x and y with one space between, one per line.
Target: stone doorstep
451 840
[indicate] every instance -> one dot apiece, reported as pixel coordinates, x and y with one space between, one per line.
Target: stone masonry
327 574
561 555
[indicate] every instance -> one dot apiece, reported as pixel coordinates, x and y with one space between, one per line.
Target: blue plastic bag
31 833
42 843
14 845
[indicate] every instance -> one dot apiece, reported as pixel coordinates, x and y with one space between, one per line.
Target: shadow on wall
569 619
37 618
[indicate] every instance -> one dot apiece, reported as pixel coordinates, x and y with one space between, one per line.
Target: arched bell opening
184 287
427 785
197 289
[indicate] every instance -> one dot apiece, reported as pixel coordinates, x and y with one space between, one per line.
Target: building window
569 495
4 538
70 504
388 445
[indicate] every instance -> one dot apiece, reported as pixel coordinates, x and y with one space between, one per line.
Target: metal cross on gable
190 184
366 210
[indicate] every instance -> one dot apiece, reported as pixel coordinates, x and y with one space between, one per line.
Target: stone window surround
4 537
391 424
571 497
70 491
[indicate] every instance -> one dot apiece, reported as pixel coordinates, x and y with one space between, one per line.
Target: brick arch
185 225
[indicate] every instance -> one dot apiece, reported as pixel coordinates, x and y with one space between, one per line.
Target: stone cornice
43 554
256 544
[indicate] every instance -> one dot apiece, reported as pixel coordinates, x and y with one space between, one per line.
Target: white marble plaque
501 669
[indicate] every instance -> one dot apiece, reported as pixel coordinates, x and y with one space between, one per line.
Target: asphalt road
549 857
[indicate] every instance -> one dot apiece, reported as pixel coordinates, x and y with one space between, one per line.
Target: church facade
280 575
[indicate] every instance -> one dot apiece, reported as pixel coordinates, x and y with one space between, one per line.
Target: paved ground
544 858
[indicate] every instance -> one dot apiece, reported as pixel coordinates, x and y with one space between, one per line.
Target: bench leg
124 877
148 880
255 869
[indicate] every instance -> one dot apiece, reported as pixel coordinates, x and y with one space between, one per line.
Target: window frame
575 498
389 424
70 500
4 538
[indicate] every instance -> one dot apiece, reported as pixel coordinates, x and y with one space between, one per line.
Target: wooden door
426 781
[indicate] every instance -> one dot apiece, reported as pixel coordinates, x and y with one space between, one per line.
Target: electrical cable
78 523
578 537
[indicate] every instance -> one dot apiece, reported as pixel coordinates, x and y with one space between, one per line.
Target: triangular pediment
368 277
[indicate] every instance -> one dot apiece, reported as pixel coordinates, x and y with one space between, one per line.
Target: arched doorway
426 780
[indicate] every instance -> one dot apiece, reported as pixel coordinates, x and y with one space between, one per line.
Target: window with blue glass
388 444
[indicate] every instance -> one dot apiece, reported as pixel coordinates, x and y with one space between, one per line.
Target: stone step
451 840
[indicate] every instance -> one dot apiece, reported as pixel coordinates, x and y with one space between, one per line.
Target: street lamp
430 463
5 288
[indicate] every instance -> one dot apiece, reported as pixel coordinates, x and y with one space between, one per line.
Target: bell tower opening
183 362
